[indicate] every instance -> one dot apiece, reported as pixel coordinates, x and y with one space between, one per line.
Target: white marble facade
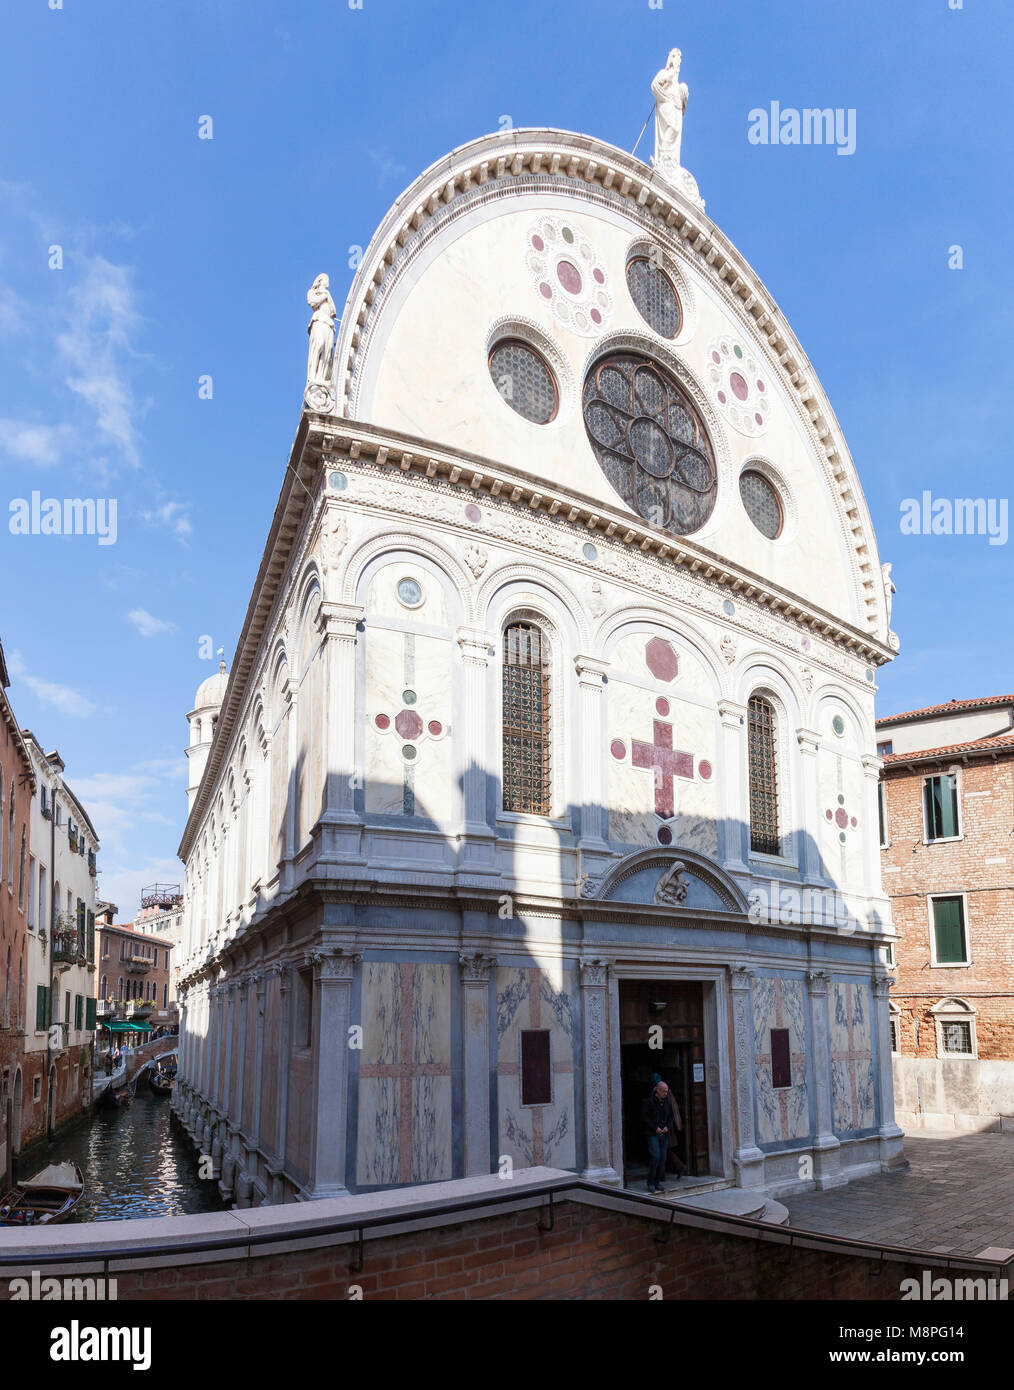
368 932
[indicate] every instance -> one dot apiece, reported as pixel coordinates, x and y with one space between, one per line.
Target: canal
135 1163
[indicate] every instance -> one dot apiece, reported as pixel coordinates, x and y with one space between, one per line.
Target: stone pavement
956 1197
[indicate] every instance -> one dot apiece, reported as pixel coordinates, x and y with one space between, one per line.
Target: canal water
135 1161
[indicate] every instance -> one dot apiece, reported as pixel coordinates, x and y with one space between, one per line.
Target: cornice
408 455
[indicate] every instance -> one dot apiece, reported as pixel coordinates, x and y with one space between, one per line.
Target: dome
211 692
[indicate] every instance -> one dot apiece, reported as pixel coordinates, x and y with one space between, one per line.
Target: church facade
547 760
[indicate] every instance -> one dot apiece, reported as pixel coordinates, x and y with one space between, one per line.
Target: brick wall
914 870
592 1253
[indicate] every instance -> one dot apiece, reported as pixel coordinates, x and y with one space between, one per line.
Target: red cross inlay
405 1071
666 762
852 1054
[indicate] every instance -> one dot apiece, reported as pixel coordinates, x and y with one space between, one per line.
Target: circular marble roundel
568 276
739 385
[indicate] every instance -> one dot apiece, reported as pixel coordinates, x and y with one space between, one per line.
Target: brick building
947 821
17 787
135 972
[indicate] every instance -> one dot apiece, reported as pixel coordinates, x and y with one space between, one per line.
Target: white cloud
62 697
147 625
171 515
95 345
33 442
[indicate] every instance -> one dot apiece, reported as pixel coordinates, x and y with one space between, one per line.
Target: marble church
546 761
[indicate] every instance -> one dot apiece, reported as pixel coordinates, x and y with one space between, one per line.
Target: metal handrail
785 1236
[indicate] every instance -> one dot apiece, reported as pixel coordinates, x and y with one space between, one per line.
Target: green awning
121 1027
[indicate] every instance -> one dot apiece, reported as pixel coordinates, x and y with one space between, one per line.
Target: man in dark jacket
660 1119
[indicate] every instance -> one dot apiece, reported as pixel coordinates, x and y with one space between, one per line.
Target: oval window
762 503
524 380
654 296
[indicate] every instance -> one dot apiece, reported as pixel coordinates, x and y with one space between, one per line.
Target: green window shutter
90 1005
41 1010
91 936
949 930
78 1011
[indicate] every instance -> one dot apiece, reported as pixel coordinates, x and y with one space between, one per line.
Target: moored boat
47 1198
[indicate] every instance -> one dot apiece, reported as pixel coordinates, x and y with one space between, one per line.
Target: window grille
957 1037
764 837
653 293
527 781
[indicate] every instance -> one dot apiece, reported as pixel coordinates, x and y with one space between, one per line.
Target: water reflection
135 1162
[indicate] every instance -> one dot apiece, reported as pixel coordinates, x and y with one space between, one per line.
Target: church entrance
662 1030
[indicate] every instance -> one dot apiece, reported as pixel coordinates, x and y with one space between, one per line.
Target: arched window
103 986
527 770
764 836
10 845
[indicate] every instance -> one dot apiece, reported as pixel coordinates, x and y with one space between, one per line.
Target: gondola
160 1082
47 1198
120 1094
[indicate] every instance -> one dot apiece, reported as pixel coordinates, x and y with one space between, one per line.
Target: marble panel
852 1092
783 1113
529 997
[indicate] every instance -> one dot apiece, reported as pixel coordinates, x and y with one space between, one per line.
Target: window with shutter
90 1008
79 1011
950 940
941 803
781 1059
41 1008
536 1073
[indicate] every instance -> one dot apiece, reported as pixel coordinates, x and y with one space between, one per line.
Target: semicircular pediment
672 878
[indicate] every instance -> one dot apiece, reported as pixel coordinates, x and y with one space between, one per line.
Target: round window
655 296
650 441
410 592
762 503
524 380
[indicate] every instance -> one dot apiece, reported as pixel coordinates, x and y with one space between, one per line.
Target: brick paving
956 1197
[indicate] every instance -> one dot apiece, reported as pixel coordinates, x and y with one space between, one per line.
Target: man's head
661 1090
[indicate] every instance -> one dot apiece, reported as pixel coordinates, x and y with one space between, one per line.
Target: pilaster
826 1148
748 1159
333 971
476 972
591 672
597 1052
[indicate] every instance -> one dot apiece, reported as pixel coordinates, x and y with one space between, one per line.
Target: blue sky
184 257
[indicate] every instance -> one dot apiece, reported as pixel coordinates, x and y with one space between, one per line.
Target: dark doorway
676 1052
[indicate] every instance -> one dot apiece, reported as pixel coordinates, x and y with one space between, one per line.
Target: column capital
475 645
591 670
594 973
476 969
340 620
731 713
817 981
808 740
740 977
882 986
334 964
872 765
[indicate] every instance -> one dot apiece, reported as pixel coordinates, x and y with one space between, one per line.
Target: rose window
650 441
